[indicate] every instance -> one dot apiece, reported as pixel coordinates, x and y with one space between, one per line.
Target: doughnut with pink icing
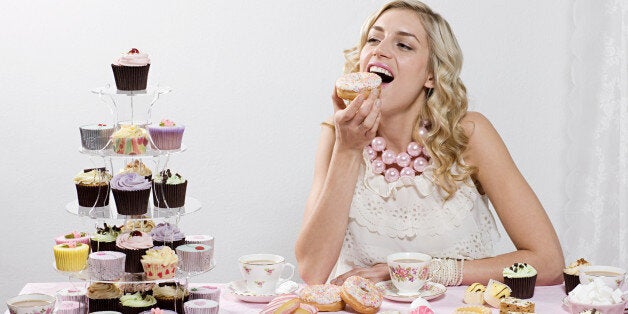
326 297
350 85
361 294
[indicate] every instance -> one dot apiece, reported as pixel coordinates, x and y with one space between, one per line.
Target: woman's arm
518 208
336 169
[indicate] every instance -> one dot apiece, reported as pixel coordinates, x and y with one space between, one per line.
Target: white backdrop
251 83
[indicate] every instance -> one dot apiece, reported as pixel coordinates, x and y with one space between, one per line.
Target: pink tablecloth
548 299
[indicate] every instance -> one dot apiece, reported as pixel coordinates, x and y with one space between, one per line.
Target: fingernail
378 103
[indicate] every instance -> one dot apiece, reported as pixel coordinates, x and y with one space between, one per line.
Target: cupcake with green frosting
169 190
136 303
521 278
105 238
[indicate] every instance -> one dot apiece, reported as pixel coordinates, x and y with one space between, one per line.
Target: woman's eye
404 46
372 40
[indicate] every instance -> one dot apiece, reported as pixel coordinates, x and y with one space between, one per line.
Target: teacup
31 303
408 271
576 307
613 277
262 272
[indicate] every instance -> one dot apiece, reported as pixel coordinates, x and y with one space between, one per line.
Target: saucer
239 290
430 290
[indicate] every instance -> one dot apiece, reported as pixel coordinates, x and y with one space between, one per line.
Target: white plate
238 289
431 290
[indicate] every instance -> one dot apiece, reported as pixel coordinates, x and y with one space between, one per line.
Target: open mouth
386 76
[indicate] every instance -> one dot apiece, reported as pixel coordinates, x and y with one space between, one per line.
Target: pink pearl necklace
394 166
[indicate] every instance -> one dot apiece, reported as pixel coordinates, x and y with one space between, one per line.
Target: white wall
251 82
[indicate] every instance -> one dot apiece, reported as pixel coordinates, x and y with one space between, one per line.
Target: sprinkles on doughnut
351 85
326 298
361 294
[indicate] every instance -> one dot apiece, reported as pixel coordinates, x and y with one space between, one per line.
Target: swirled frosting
574 268
93 177
168 292
103 291
166 232
169 178
133 58
134 240
132 131
129 182
137 166
519 270
164 256
137 300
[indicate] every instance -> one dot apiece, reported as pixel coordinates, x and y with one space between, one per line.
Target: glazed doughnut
350 85
361 294
326 298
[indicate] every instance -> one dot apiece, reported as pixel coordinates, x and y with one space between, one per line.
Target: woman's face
397 50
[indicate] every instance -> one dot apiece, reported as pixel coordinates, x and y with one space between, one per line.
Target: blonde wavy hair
446 103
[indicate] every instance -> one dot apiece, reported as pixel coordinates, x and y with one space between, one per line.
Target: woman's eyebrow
401 33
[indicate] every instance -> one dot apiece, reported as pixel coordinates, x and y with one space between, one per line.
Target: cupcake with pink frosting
74 236
167 135
131 192
131 70
134 244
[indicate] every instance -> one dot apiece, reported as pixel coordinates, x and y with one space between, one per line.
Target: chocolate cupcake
521 278
165 234
92 187
130 71
171 296
134 244
103 297
169 190
131 192
137 166
571 274
136 303
105 238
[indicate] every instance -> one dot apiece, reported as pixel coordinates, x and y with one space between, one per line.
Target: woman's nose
381 50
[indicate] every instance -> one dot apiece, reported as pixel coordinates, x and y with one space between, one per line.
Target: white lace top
411 215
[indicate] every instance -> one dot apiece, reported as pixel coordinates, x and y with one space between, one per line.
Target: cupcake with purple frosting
167 135
165 234
130 192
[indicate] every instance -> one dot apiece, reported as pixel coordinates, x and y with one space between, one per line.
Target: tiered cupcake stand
132 107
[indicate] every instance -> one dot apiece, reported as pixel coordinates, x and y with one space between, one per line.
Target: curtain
596 211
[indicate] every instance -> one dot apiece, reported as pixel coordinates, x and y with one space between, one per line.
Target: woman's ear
430 81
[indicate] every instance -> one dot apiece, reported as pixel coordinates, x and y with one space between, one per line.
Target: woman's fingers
369 121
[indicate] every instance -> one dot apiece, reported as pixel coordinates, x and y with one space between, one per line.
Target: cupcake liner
106 269
134 310
159 271
169 195
197 261
571 281
131 202
133 262
95 139
203 307
205 292
96 305
92 196
522 288
174 304
172 244
71 260
129 77
130 145
97 246
166 138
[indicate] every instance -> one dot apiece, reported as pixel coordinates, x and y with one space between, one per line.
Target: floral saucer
239 290
430 291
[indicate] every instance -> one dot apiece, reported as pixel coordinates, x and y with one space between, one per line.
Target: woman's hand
356 125
375 273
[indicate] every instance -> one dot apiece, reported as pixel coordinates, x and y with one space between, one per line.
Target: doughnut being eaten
326 298
351 85
361 294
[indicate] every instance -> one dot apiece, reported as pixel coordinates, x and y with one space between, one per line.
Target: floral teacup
262 272
409 271
34 303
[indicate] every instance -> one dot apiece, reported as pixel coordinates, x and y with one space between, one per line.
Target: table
548 299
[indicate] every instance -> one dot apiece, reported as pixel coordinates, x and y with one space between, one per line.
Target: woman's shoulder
483 138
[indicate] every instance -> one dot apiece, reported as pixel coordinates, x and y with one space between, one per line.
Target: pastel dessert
157 310
591 311
205 292
76 294
521 278
511 304
169 190
71 256
200 239
134 244
106 265
80 237
474 295
351 85
144 225
136 303
131 192
194 257
571 274
167 234
130 140
495 291
166 135
134 287
95 136
473 310
326 298
137 166
105 238
201 306
160 263
130 70
103 296
92 187
171 296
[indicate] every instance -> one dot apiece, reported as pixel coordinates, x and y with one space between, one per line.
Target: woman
358 213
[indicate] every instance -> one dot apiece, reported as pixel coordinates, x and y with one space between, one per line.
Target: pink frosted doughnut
326 298
361 294
350 85
285 303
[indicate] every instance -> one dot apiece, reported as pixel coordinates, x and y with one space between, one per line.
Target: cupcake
136 303
521 278
160 263
144 225
103 296
76 294
95 136
134 287
205 292
106 265
194 257
130 71
68 307
169 190
131 192
134 244
167 234
495 291
130 140
137 166
157 310
167 135
202 306
571 274
92 187
105 238
171 296
71 256
80 237
474 294
200 239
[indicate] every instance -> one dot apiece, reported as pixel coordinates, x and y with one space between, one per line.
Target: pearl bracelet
447 271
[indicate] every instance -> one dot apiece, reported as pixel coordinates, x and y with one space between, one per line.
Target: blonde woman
410 169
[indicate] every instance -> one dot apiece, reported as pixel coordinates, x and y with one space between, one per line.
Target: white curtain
596 213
